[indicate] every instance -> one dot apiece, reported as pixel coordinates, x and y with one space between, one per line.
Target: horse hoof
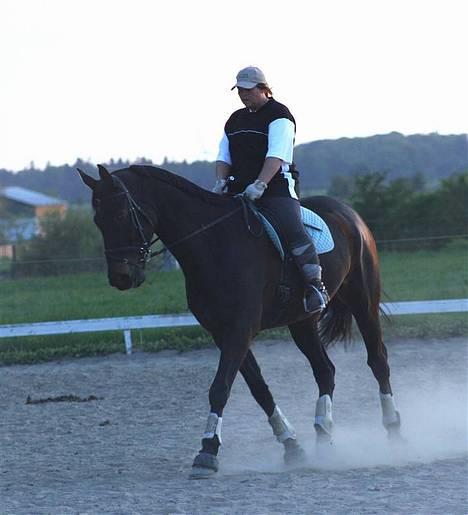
323 443
395 438
393 431
324 437
204 465
324 440
201 473
294 454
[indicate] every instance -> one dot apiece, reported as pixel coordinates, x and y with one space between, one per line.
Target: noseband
136 212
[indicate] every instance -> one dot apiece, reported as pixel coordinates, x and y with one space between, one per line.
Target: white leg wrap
323 414
389 411
213 427
282 429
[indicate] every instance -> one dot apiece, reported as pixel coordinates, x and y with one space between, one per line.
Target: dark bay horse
232 274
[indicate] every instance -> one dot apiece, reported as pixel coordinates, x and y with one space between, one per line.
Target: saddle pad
316 227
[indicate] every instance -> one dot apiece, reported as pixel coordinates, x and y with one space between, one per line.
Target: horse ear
104 174
87 179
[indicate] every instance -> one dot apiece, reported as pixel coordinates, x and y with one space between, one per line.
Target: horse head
126 229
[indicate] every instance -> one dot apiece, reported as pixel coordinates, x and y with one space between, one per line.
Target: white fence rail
126 324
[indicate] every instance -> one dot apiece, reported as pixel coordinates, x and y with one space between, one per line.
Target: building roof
29 197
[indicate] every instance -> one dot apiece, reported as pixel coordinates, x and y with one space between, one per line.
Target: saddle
289 280
315 225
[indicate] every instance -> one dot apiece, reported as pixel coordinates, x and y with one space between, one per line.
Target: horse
235 288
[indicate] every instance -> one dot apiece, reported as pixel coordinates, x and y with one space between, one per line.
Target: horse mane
178 182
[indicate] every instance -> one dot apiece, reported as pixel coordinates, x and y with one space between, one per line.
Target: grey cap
249 77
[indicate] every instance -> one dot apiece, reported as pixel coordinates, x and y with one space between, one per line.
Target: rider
256 158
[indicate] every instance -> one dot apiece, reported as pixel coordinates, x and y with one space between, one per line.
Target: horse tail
362 289
336 322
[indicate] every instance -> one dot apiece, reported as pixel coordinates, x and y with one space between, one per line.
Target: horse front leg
282 429
233 351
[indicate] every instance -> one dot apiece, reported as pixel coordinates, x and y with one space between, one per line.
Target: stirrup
315 299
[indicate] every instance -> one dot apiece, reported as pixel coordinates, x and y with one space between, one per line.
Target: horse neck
180 213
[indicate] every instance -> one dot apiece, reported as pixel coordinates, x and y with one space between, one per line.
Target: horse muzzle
124 276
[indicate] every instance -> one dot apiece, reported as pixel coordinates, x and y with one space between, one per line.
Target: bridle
144 248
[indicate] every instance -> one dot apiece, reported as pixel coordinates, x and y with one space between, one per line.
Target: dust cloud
432 401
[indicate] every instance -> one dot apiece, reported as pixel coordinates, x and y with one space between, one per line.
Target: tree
369 199
65 244
400 209
451 204
341 186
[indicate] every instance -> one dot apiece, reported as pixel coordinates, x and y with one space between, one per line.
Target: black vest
247 133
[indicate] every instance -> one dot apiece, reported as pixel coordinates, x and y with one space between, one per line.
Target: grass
426 274
422 275
437 325
88 295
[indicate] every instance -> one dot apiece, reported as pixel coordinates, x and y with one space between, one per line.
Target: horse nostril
120 281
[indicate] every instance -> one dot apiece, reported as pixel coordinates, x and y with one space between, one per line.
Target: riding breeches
286 216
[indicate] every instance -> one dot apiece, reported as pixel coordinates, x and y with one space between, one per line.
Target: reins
244 206
203 228
145 247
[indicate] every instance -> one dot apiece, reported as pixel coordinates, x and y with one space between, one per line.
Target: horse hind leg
258 388
282 428
368 321
306 336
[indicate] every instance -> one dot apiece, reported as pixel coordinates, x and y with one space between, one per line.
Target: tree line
434 156
404 209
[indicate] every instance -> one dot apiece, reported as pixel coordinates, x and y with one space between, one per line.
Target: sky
110 79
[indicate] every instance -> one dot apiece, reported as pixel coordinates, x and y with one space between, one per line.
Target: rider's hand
255 190
219 186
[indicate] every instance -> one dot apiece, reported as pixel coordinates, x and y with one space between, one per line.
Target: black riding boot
315 294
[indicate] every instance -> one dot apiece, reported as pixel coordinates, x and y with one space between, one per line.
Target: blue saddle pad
316 227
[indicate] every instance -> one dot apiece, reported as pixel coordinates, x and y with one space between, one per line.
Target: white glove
218 188
255 190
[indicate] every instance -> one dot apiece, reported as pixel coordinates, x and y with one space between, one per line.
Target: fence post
128 341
